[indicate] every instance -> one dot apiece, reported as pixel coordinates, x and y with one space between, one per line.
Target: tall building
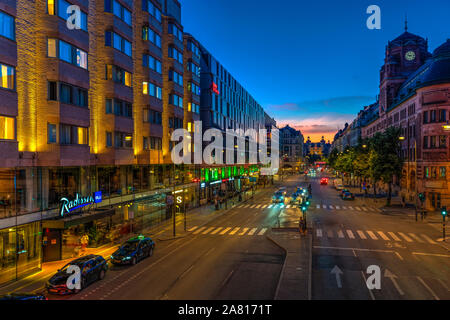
291 148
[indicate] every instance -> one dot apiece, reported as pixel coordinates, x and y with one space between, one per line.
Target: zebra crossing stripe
263 230
193 228
199 230
383 236
372 235
331 207
340 234
217 230
412 235
357 208
253 206
361 234
394 236
319 233
318 206
264 206
252 232
404 236
208 230
257 207
344 207
234 231
288 206
241 206
330 234
337 207
270 206
324 206
246 206
351 208
428 239
364 209
350 234
243 231
225 230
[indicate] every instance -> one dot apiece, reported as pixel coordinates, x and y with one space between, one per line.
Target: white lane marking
443 284
324 206
364 209
217 230
394 236
318 206
234 231
258 206
319 233
361 234
428 288
243 231
270 206
246 206
412 235
350 234
208 230
263 230
252 232
431 254
404 236
225 230
282 205
330 234
351 208
331 207
337 207
264 206
340 234
344 207
383 236
199 230
253 206
365 280
357 208
372 235
193 228
428 239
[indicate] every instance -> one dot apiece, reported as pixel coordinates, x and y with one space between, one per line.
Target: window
7 77
175 54
193 48
425 117
442 172
7 28
68 94
425 142
192 87
427 172
433 142
51 130
117 42
7 128
121 108
155 143
149 7
152 63
149 35
108 106
175 123
118 75
192 67
443 142
152 116
52 91
73 135
176 77
51 48
51 7
123 140
67 53
118 10
152 90
192 107
433 116
173 29
146 145
62 7
108 139
176 100
442 115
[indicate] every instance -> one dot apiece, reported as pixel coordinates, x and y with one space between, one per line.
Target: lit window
189 126
7 77
51 130
82 135
7 129
51 7
189 106
145 87
128 79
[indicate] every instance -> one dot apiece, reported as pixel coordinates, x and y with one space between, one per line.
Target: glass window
52 91
51 7
62 12
108 106
82 135
51 128
81 59
442 172
7 128
442 142
7 26
7 77
51 48
65 51
108 139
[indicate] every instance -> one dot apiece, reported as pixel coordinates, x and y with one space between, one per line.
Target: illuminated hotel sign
68 206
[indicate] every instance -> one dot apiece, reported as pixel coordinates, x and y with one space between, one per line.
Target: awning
78 219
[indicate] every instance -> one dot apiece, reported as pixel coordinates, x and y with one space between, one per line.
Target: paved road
350 236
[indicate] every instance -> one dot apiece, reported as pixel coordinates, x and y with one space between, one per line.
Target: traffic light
307 203
444 211
303 208
422 197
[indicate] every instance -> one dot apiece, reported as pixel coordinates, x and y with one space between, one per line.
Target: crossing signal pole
444 214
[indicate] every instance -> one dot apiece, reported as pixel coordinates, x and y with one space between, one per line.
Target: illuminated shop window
7 128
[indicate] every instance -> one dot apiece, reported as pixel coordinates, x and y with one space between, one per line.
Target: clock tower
403 56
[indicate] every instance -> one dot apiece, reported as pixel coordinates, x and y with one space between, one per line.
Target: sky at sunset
312 65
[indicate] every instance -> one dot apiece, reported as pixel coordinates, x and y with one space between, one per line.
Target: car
282 190
93 267
295 198
23 296
324 181
278 197
133 251
341 192
348 196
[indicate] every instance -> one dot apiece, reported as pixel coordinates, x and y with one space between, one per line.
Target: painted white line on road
350 234
398 255
394 236
365 281
443 284
252 232
199 230
253 206
258 206
412 235
243 231
344 207
383 236
270 206
340 234
217 230
431 254
428 288
246 206
193 228
364 209
337 207
234 231
331 207
324 206
225 230
428 239
264 206
288 206
208 230
361 234
319 233
263 230
372 235
404 236
351 208
356 249
357 208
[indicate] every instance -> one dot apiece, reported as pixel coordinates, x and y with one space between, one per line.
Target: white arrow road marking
252 232
394 236
428 288
338 273
392 276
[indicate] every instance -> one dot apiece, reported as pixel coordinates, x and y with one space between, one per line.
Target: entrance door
51 245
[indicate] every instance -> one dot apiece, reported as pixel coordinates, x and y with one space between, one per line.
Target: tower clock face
410 55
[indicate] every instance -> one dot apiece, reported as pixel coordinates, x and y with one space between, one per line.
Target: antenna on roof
406 22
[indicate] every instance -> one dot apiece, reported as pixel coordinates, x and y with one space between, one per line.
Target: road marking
428 288
372 235
208 230
398 255
258 206
412 235
253 206
252 232
263 230
282 205
264 206
243 231
288 206
377 209
364 209
443 284
330 234
392 276
340 234
318 206
351 208
361 234
234 231
365 280
344 207
331 207
431 254
246 206
350 234
217 230
192 229
394 236
357 208
404 236
337 207
270 206
324 206
199 230
428 239
383 236
225 230
319 233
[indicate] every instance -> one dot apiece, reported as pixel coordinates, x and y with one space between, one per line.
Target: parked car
324 181
341 192
23 296
278 197
133 251
92 267
348 196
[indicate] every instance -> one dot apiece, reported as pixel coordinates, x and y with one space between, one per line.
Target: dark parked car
23 296
92 267
133 250
348 196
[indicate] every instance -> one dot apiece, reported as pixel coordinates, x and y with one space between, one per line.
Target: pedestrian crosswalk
231 231
340 208
373 235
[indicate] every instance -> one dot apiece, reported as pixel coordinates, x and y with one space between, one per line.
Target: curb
284 265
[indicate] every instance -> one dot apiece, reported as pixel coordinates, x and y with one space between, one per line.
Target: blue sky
312 64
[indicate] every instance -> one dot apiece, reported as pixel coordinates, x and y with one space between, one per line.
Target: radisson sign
67 206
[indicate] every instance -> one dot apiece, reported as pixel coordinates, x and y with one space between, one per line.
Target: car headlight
127 258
